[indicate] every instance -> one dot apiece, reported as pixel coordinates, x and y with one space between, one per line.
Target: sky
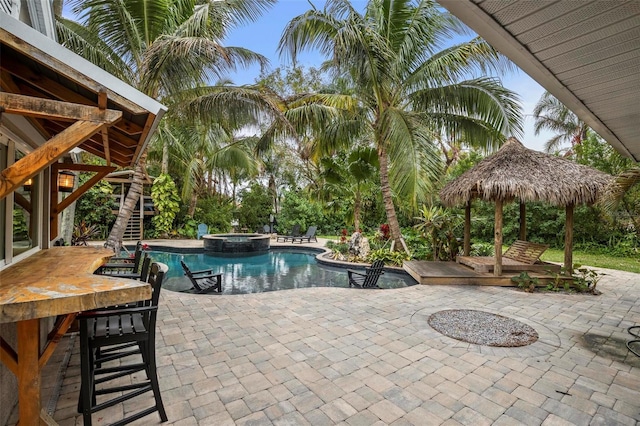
263 36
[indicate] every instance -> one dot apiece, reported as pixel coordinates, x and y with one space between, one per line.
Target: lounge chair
368 279
310 235
203 230
520 256
295 232
204 281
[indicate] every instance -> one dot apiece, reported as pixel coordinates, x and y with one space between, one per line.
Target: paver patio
325 356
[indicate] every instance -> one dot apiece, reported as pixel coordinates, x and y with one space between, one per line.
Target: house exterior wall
37 14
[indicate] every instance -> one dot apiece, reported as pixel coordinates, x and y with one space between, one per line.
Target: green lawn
596 260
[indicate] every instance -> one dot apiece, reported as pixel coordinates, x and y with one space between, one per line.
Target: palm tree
551 114
348 179
407 89
161 48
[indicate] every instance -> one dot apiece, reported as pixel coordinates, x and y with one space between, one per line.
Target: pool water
245 273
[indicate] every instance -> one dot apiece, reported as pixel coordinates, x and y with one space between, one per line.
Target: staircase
133 232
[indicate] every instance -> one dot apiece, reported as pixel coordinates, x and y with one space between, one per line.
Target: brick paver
358 357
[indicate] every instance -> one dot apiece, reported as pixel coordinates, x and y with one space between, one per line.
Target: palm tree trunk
165 158
357 205
114 241
387 198
192 203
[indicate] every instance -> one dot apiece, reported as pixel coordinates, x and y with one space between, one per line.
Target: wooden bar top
60 280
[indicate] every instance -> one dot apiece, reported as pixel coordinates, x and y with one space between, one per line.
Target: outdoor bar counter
54 282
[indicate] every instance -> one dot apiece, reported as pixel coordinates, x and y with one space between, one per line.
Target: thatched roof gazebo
515 172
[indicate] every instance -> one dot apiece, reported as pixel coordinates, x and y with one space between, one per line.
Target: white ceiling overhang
586 53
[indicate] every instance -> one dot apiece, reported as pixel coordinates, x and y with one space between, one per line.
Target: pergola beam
52 110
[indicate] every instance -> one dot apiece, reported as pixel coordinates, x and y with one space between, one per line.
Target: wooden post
568 240
29 371
497 269
523 221
467 229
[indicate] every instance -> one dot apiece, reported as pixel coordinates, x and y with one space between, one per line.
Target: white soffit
585 52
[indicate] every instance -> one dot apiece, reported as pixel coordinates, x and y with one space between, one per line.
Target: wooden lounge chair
368 279
519 257
295 232
310 235
204 281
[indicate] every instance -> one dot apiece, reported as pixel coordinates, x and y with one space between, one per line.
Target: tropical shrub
255 208
295 208
440 227
389 257
216 212
166 201
96 206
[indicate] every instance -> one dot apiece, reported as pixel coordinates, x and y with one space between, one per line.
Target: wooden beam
523 221
8 85
8 356
33 163
497 269
55 110
59 329
467 229
22 202
568 240
140 148
28 368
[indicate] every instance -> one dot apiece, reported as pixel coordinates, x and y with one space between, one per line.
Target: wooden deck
445 273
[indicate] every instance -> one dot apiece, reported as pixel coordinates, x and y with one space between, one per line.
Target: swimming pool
277 269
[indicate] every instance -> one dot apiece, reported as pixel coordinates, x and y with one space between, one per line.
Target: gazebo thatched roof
517 172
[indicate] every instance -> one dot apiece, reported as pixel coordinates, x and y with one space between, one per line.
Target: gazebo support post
467 228
523 221
568 240
497 269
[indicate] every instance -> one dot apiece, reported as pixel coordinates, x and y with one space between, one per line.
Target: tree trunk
387 198
114 241
192 203
356 211
165 158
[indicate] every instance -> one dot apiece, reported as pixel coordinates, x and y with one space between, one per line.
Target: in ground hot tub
236 243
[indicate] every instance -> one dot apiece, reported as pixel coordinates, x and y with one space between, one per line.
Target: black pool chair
204 281
295 232
308 236
111 334
369 279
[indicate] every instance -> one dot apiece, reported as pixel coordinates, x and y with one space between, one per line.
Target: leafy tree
161 48
406 90
551 114
298 209
216 212
348 179
256 206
